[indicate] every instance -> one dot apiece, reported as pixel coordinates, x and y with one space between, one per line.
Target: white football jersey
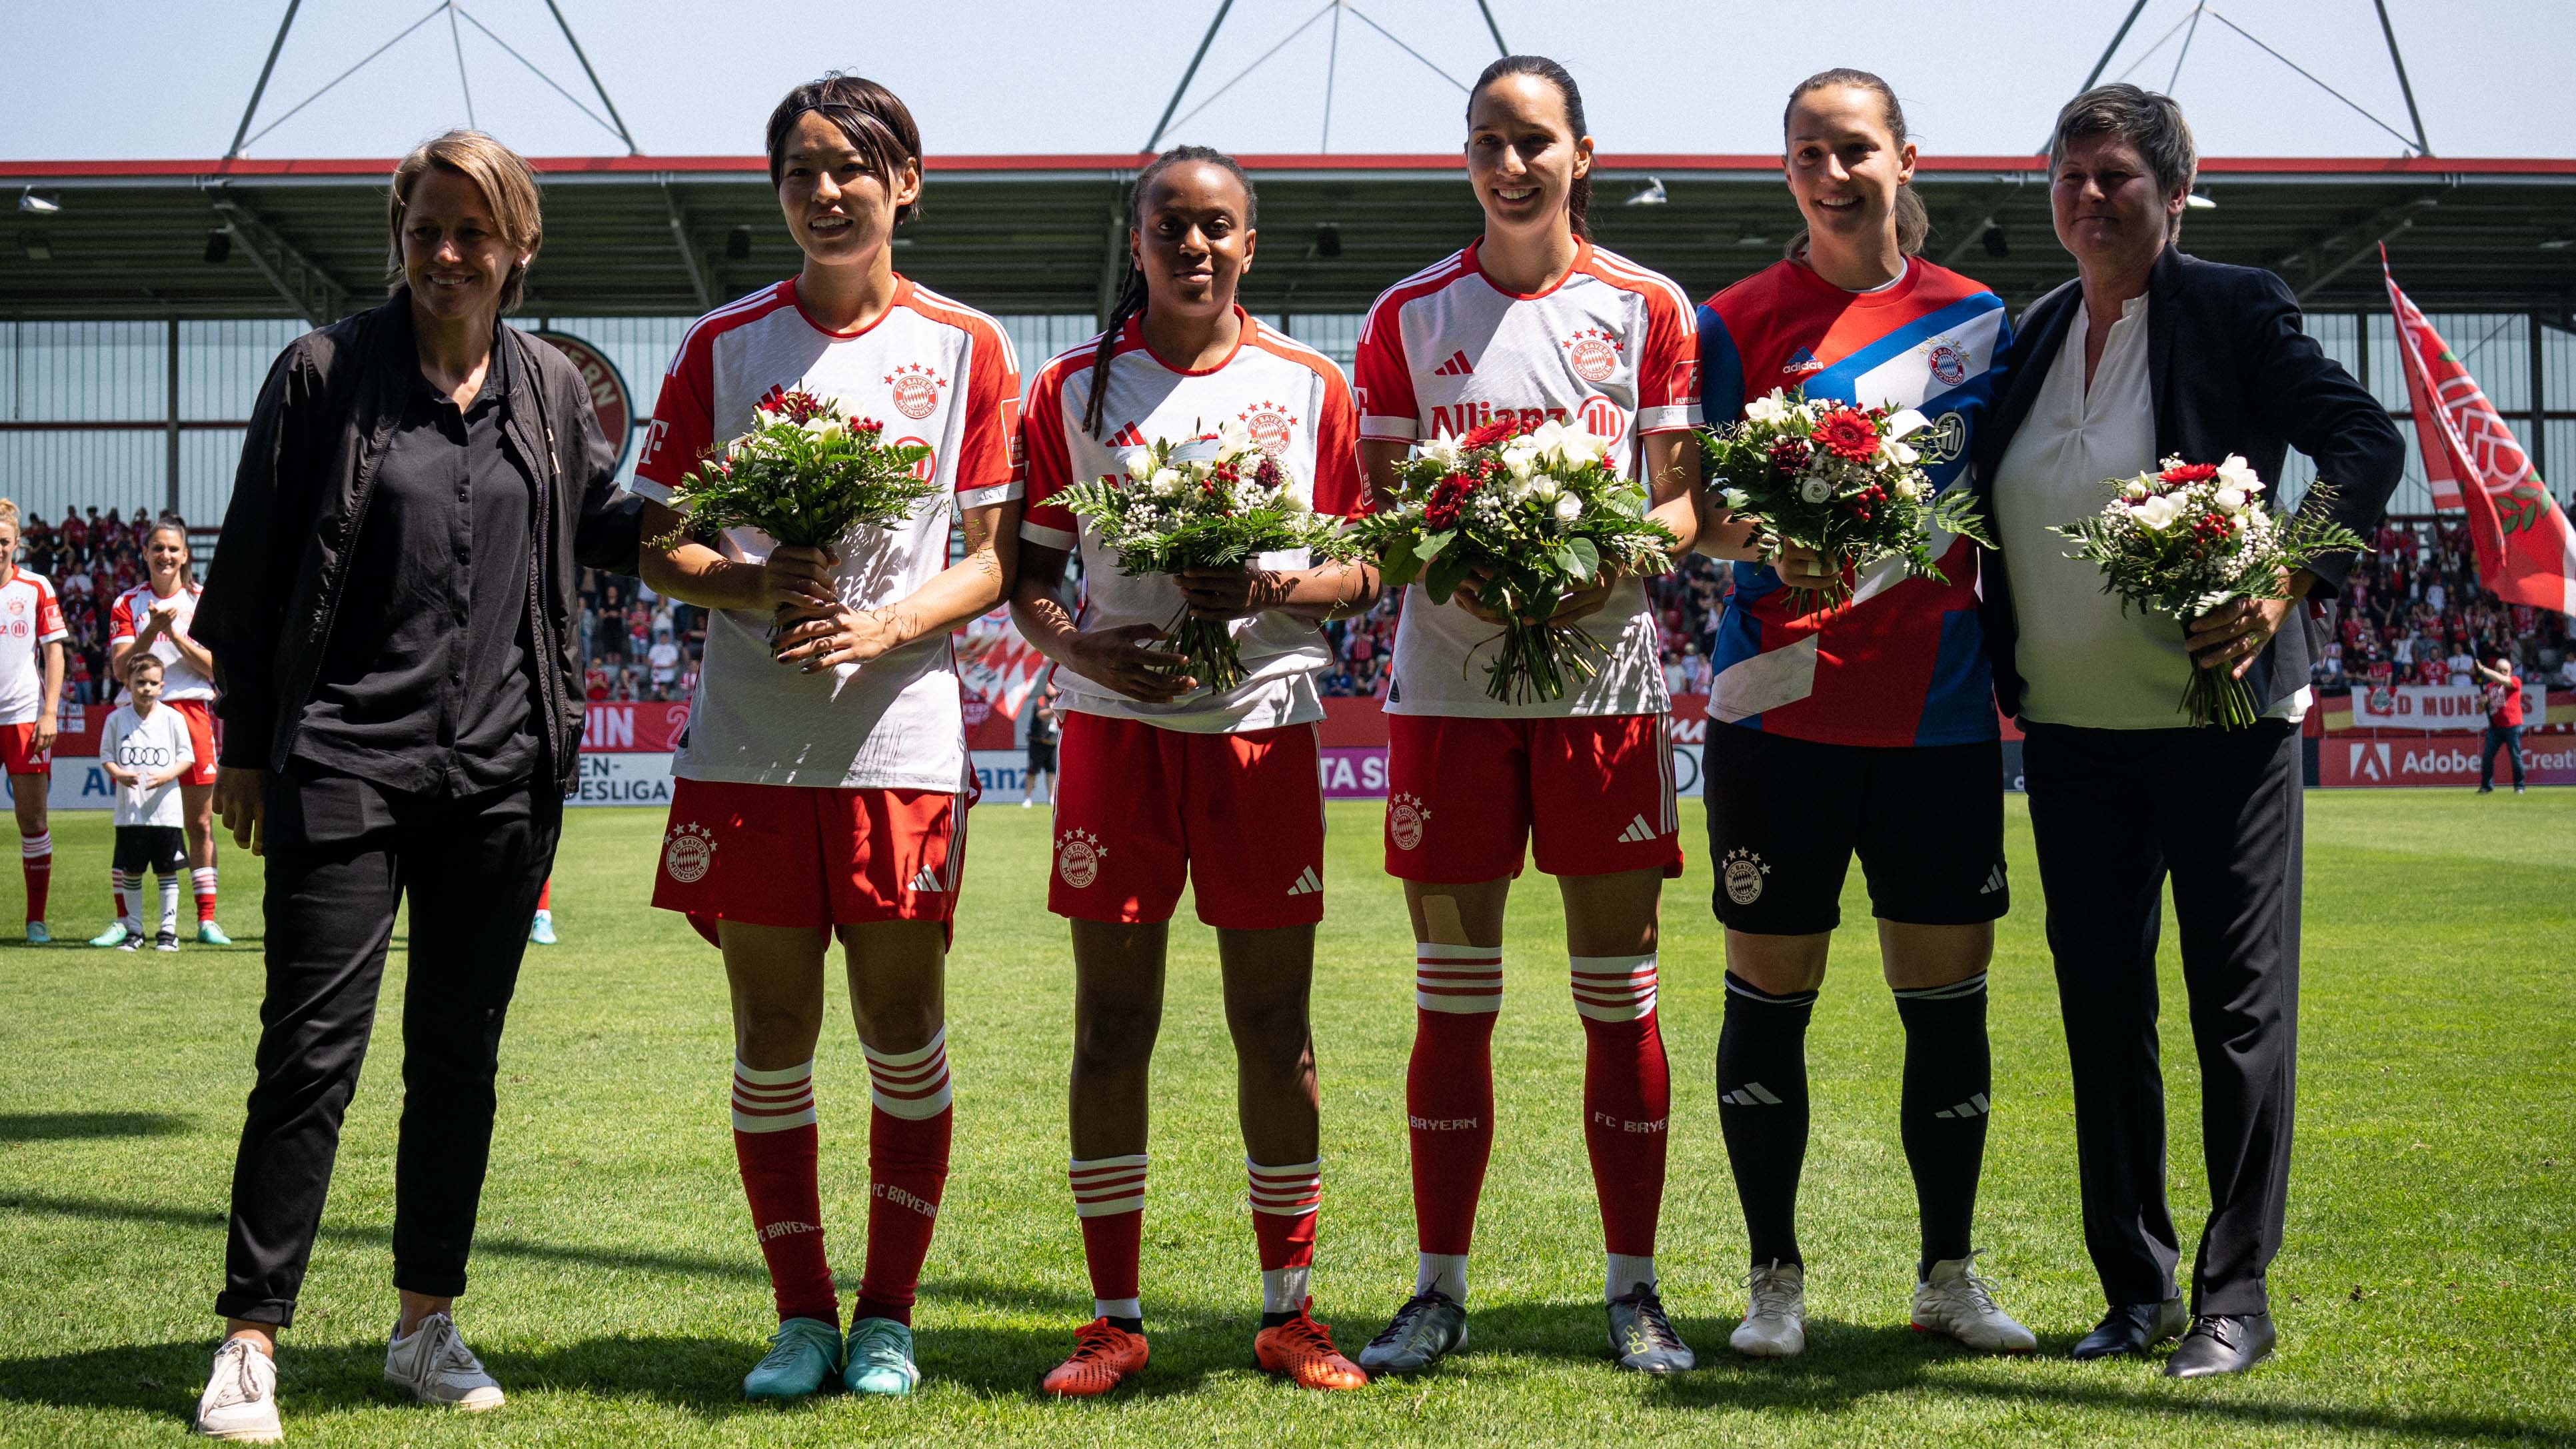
936 373
179 678
30 617
1612 348
1295 403
147 747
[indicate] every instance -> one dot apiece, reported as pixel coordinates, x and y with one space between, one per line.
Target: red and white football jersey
30 617
1612 348
179 678
935 372
1294 401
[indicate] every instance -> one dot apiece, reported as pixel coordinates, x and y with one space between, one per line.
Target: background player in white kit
1533 321
157 616
1165 780
145 751
823 783
31 697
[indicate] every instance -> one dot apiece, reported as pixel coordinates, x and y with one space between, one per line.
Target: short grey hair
2148 120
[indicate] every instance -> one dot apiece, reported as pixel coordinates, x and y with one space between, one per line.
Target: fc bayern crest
687 853
1948 363
1077 858
1594 353
1270 426
17 605
1742 872
1405 816
916 390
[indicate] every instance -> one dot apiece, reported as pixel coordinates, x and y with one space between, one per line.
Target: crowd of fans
90 558
2413 612
635 644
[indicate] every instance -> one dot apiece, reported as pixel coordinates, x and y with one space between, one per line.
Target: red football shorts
18 752
796 855
200 715
1465 796
1141 808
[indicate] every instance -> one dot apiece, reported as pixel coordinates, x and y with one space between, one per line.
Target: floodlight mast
243 130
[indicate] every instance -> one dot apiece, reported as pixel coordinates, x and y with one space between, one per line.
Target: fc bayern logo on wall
1594 353
1269 424
608 394
916 390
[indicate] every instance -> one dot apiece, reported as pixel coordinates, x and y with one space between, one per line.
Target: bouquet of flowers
805 475
2191 537
1840 480
1212 501
1534 512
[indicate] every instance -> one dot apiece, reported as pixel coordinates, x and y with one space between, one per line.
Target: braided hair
1131 297
1578 197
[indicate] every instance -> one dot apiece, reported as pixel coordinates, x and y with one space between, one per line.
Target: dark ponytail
173 523
1131 296
1578 197
1913 221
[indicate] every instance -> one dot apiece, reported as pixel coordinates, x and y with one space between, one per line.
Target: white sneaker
240 1402
1775 1323
438 1368
1960 1303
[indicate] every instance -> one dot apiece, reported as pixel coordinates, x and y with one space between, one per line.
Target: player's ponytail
1578 197
173 523
1131 296
1913 221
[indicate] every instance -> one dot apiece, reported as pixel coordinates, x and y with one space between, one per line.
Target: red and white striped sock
908 1136
1109 1199
1627 1104
1449 1101
776 1144
203 879
36 859
1284 1200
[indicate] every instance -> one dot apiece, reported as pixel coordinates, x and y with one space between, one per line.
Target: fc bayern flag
2526 552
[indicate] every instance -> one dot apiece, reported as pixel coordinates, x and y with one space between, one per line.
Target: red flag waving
2526 552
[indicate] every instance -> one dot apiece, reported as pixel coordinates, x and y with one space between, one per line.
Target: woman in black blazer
2152 354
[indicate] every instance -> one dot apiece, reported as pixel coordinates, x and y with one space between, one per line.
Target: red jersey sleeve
1668 367
1386 408
1045 520
1340 492
683 419
120 620
990 466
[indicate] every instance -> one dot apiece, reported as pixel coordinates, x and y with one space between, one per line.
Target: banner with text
2344 763
2437 706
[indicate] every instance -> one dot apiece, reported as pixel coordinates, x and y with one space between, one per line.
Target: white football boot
434 1363
1775 1322
1958 1302
240 1401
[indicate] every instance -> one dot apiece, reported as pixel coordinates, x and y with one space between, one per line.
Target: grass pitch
2424 1296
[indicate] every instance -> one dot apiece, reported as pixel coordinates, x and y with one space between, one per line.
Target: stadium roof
670 235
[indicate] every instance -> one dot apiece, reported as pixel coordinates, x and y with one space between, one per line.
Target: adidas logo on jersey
1308 883
1994 882
1637 833
1751 1094
928 880
1456 366
1127 437
1800 363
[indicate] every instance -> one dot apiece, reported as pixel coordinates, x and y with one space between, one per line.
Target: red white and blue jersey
1904 663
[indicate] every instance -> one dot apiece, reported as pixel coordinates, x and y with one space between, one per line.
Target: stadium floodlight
1651 194
34 205
2197 202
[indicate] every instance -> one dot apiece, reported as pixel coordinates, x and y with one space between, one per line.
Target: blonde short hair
509 187
8 511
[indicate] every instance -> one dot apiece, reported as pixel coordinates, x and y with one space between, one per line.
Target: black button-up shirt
427 684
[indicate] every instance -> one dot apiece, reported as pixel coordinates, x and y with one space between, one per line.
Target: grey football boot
1428 1328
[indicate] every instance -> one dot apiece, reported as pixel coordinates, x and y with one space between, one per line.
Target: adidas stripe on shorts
1786 816
1587 794
1140 809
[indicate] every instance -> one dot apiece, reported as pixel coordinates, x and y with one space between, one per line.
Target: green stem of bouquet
1215 661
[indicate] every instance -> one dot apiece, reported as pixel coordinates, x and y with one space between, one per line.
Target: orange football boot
1103 1355
1301 1350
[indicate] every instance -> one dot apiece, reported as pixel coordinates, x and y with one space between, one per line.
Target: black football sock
1762 1109
1949 1074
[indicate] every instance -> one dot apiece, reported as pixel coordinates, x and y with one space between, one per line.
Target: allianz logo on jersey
1459 419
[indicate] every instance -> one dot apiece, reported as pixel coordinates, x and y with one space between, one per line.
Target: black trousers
2507 738
2114 814
342 853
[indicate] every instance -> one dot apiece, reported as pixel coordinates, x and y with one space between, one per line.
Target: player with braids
1532 321
1163 780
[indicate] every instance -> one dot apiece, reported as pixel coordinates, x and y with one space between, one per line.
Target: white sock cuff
912 1085
1292 1191
774 1100
1613 988
203 875
1106 1186
1459 979
31 846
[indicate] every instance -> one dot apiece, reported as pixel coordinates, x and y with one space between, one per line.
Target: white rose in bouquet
1815 490
2235 474
1167 481
1138 462
2157 513
1568 509
1768 409
2229 500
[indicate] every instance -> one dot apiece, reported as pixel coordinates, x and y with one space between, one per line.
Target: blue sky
168 78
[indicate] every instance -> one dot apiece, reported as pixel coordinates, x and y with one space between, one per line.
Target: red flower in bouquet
1790 454
799 407
1847 434
1500 430
2189 473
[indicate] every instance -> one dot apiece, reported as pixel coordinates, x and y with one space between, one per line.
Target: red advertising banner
2436 760
634 728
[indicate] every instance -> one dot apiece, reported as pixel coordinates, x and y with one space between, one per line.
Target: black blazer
2232 373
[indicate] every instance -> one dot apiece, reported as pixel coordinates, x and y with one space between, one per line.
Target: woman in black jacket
390 613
